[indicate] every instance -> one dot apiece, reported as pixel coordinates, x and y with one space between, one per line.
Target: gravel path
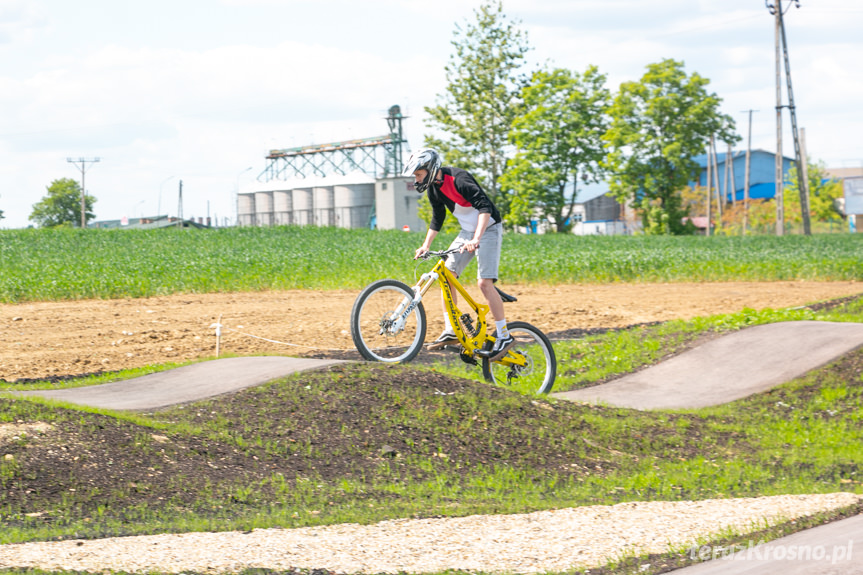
527 543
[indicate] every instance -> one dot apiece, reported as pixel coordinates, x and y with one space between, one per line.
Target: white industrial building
355 200
348 184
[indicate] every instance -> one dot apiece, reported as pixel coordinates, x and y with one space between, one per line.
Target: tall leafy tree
62 205
474 115
558 137
658 125
823 193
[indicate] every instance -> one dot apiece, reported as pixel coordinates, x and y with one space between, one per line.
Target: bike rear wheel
375 325
530 366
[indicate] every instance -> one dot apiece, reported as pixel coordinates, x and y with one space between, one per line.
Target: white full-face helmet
423 159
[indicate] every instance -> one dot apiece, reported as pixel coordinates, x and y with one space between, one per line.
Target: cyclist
481 233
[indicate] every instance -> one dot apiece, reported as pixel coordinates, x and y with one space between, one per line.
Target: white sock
448 325
502 331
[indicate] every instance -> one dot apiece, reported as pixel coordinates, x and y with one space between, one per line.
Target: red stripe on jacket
448 189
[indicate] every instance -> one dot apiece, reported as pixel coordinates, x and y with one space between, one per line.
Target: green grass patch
38 265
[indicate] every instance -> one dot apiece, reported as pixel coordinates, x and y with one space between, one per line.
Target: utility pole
799 155
83 169
180 205
716 178
779 196
746 177
729 163
777 10
709 195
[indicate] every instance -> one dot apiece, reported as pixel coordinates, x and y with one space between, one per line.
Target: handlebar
440 254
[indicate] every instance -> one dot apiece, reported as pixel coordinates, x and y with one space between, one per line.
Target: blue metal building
762 178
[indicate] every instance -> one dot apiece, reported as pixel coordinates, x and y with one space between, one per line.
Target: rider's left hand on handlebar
469 246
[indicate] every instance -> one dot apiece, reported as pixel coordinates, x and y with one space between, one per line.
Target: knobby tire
539 375
369 315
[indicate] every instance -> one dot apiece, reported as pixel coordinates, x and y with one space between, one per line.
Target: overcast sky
200 90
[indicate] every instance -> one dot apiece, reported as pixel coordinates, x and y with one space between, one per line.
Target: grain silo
283 206
246 209
353 205
303 203
324 206
264 208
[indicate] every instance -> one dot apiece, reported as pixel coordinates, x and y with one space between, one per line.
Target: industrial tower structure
378 157
351 184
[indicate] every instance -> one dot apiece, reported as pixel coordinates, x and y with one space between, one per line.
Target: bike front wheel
530 366
385 326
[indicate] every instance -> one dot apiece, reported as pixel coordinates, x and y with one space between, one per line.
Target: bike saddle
505 296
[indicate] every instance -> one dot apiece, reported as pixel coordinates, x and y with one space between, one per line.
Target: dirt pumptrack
722 370
731 367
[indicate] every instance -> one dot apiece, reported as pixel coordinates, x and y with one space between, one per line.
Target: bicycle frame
469 341
447 280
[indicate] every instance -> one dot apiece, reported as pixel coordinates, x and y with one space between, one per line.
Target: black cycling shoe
499 349
445 339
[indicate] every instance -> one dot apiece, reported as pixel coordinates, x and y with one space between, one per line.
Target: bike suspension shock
467 325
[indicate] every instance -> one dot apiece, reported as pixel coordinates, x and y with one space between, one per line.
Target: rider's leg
495 304
488 262
447 337
446 321
455 263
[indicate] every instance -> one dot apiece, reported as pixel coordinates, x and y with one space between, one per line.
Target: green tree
475 114
62 205
658 125
823 193
558 137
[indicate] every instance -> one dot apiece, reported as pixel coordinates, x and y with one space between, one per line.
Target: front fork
409 304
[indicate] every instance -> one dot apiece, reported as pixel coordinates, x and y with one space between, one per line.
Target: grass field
40 265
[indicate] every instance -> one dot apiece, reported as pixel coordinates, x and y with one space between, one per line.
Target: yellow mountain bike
388 323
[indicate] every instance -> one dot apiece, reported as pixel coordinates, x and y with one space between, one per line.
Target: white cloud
18 20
